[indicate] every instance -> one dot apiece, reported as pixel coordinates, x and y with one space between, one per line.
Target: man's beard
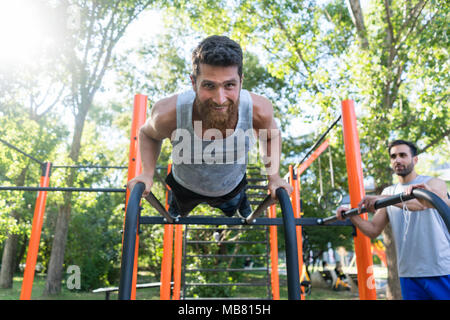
405 171
214 119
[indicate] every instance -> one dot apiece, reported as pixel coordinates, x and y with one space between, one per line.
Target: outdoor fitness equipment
133 220
292 222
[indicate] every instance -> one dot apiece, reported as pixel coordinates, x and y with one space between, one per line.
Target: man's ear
415 159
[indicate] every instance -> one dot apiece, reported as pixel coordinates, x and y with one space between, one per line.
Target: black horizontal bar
241 284
229 242
227 270
256 195
255 186
67 189
88 167
237 221
226 255
225 298
230 228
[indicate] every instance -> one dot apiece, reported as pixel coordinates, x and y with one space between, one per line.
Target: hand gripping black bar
441 207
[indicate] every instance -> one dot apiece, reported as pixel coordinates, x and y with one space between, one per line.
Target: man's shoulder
165 104
163 117
259 101
262 110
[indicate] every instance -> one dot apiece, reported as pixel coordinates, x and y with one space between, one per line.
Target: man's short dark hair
217 51
411 146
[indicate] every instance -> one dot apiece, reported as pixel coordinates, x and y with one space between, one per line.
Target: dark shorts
182 200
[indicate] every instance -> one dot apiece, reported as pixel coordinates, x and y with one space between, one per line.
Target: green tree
90 40
390 57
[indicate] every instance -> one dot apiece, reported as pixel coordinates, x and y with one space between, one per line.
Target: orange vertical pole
135 166
166 264
274 277
364 260
177 259
295 200
35 237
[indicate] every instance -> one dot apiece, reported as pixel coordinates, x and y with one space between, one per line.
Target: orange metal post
364 260
166 263
135 165
275 280
295 200
177 259
35 238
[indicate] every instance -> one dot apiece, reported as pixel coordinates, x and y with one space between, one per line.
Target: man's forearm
270 151
150 150
365 226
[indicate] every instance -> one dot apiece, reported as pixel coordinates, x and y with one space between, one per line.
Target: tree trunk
10 250
55 266
23 250
356 14
393 291
8 261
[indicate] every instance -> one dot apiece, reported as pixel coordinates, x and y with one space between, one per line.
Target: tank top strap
185 101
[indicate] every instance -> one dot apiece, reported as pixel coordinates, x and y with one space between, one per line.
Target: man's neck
407 179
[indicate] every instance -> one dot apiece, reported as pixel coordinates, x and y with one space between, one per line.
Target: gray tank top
421 238
211 168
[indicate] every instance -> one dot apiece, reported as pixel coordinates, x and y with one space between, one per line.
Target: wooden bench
108 290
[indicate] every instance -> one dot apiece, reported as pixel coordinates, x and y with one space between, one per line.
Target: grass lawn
153 293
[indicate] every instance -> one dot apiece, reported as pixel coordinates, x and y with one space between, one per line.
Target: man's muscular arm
159 126
270 142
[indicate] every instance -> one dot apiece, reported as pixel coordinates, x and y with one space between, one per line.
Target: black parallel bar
290 235
198 220
438 203
88 167
67 189
129 241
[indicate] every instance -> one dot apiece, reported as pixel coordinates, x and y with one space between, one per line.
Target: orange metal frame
364 259
356 186
166 264
295 200
275 280
135 166
35 237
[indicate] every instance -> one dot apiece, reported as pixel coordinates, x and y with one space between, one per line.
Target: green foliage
94 240
305 56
